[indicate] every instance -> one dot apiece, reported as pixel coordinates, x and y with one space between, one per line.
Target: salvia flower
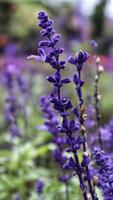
63 105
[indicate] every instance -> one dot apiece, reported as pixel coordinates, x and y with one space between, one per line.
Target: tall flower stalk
70 128
80 112
99 70
11 105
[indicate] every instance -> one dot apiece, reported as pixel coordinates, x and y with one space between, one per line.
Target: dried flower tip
89 196
83 108
84 116
97 60
86 153
95 180
96 78
98 96
34 57
100 69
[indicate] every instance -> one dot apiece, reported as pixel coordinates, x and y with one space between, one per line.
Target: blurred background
22 157
79 22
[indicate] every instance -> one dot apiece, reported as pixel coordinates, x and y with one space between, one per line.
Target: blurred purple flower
104 172
39 186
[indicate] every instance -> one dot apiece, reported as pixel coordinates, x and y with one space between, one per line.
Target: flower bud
100 69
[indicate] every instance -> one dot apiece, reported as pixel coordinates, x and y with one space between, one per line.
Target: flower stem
82 185
83 133
97 102
67 191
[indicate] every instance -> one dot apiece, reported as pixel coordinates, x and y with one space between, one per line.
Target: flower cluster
106 132
105 173
51 125
17 85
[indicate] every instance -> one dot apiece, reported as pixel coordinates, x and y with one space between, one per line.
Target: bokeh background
79 22
24 159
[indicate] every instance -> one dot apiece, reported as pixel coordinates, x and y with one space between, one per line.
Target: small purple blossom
51 119
39 186
65 178
80 58
59 157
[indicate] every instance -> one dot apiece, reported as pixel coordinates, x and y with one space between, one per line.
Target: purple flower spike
69 127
